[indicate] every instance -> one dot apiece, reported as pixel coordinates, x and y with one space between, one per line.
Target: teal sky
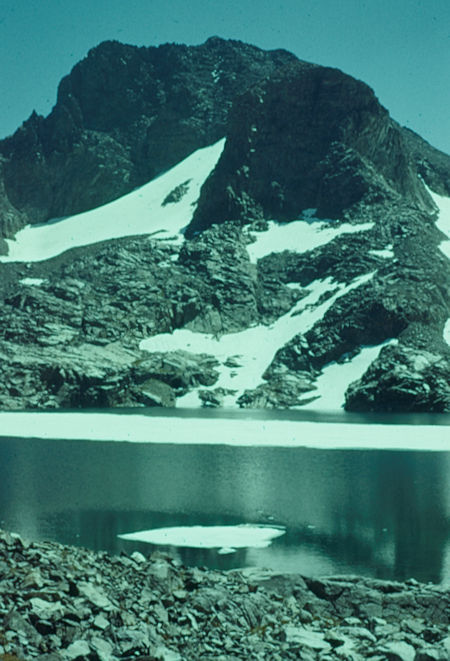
401 48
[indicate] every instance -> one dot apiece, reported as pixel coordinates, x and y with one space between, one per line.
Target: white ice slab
298 236
139 212
225 538
241 432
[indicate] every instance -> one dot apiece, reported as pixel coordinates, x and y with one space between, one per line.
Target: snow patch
443 222
386 253
447 331
299 235
138 212
32 281
225 538
336 377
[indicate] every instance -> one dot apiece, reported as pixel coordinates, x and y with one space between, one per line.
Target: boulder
402 379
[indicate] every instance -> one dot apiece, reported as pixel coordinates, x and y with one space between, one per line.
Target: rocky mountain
306 249
123 115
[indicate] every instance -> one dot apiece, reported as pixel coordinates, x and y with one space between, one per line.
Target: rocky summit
220 225
65 604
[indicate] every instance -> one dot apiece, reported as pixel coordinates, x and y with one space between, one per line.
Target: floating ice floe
225 538
142 211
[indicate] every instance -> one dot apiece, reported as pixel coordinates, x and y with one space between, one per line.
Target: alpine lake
376 512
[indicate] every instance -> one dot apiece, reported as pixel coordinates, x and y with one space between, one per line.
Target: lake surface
383 513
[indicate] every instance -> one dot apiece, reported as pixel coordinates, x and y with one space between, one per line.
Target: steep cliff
123 115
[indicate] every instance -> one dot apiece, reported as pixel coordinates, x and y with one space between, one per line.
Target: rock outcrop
307 137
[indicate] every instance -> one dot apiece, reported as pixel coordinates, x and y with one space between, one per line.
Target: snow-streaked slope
225 538
299 236
255 347
443 221
139 212
241 432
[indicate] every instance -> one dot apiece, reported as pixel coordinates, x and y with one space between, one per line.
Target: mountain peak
308 247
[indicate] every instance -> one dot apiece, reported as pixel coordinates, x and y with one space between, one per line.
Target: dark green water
371 512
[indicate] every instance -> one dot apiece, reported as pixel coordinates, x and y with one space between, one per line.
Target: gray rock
46 610
303 637
100 622
95 595
403 378
103 649
399 651
77 650
15 621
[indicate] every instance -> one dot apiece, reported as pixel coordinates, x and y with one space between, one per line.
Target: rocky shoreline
61 603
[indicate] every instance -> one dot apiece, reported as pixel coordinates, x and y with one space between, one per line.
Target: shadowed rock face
307 137
123 115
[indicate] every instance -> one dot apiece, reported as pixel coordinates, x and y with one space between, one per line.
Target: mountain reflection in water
372 512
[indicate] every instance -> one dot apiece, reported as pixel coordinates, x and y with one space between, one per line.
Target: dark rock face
123 115
431 164
307 137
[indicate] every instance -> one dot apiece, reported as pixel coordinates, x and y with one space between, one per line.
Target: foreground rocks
63 603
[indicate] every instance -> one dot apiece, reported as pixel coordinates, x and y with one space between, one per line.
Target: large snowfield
140 212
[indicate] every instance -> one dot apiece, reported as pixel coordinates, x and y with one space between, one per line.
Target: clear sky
399 47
